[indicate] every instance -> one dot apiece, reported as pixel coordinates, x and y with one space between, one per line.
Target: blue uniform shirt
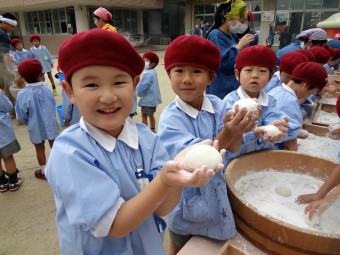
250 142
19 56
288 105
225 81
35 108
44 56
296 45
69 111
6 130
97 176
274 82
148 89
205 210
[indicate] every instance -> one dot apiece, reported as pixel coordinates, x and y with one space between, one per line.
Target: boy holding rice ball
254 71
191 118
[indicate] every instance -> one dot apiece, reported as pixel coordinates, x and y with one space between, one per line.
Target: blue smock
44 56
250 142
36 108
97 175
296 45
148 89
205 210
225 81
19 56
69 111
288 105
275 81
7 134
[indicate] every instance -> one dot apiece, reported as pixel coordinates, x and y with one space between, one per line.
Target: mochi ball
283 191
271 131
314 222
248 103
202 154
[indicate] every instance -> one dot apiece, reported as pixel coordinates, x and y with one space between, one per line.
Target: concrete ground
27 216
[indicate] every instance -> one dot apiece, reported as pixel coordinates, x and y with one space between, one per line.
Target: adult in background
305 40
197 30
8 22
230 18
102 18
285 37
271 34
250 30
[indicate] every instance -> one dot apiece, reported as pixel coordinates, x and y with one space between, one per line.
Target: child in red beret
35 106
111 177
192 117
253 72
287 64
41 53
307 78
148 90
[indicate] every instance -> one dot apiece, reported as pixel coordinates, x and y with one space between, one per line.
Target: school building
154 22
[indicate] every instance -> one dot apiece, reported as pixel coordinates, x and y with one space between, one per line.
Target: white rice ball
202 154
283 191
271 131
248 103
314 222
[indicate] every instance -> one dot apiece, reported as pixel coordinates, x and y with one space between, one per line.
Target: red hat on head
151 56
338 106
257 55
103 14
183 52
321 54
312 73
308 54
337 53
330 50
290 60
86 49
250 16
33 37
30 69
15 42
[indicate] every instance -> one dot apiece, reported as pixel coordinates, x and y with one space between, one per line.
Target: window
313 4
254 6
204 13
331 4
40 22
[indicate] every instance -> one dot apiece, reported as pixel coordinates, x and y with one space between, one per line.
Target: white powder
258 189
328 117
320 146
329 100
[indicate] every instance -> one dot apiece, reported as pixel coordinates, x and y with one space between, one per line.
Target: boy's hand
282 125
174 172
243 122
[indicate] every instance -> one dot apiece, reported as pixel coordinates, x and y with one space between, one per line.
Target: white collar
277 74
262 98
129 134
39 48
191 111
289 89
35 84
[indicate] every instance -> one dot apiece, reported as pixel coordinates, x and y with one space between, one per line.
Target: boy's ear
212 76
237 74
69 91
136 80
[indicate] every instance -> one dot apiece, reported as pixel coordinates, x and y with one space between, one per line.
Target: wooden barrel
269 234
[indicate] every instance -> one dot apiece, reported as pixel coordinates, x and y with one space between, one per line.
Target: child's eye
198 71
178 70
263 70
120 83
91 85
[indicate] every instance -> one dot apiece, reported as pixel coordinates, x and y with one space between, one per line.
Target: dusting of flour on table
328 117
258 189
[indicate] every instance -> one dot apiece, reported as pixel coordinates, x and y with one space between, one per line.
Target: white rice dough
314 222
283 191
202 154
248 103
271 131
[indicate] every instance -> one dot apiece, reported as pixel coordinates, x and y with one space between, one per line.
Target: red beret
312 73
30 69
338 106
87 49
330 50
308 54
337 53
33 37
321 54
192 50
257 55
151 56
15 42
291 60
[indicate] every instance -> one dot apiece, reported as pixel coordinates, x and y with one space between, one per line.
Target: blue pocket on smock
196 210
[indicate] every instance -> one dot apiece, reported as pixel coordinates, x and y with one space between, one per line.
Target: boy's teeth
109 110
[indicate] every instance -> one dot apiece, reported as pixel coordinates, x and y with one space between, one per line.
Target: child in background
70 112
101 208
19 54
41 53
148 90
328 192
191 118
253 72
35 107
8 146
307 78
287 64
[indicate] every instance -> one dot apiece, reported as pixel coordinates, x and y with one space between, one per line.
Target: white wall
80 12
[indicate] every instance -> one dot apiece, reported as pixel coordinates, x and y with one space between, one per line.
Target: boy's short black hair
8 15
